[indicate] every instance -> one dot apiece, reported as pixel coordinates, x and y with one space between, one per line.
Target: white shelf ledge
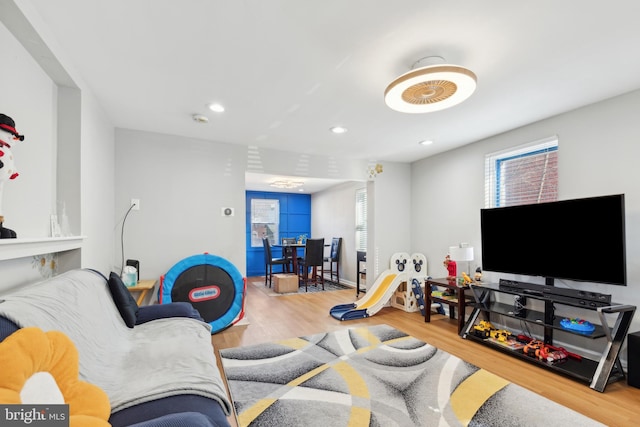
20 248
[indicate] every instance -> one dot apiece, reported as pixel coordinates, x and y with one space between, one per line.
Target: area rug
376 376
328 287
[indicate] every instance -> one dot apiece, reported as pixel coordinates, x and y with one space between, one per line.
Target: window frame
494 162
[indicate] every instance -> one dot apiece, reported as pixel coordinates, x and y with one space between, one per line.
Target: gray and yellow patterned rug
376 376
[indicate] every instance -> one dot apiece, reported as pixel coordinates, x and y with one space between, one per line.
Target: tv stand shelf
583 370
489 302
537 317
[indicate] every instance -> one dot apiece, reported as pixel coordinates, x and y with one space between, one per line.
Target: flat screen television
579 239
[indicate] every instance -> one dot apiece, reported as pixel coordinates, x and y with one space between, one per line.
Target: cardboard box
284 283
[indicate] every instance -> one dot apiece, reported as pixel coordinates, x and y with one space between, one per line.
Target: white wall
277 162
333 215
389 223
29 97
598 154
46 102
97 186
182 185
182 192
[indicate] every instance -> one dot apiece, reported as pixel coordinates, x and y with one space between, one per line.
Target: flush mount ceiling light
287 184
338 129
430 86
200 118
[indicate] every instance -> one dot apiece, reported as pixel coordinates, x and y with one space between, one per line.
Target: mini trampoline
211 284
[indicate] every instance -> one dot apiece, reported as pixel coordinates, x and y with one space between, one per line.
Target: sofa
155 363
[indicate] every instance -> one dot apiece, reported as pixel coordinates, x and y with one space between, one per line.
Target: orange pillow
42 368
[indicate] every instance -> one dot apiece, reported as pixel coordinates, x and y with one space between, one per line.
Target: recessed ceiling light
217 108
338 129
426 142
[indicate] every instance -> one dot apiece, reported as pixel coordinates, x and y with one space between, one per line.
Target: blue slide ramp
374 300
348 312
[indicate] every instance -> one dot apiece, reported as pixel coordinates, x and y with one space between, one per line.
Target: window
523 175
265 221
361 219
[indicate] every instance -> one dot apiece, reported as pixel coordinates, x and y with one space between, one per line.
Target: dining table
294 254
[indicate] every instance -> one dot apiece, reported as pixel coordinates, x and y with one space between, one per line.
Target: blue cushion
162 311
7 327
180 419
123 299
183 403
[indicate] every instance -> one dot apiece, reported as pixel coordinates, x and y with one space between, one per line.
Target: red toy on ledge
450 265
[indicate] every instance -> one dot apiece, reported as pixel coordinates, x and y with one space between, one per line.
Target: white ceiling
288 70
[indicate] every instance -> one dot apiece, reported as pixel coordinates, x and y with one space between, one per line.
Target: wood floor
272 318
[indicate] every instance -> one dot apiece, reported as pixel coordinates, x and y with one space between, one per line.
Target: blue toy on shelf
577 325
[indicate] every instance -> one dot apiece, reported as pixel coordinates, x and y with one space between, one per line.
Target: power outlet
136 204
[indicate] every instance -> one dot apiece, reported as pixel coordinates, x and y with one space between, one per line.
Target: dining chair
269 262
287 251
313 259
334 258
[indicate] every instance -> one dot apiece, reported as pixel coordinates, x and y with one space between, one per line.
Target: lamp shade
461 254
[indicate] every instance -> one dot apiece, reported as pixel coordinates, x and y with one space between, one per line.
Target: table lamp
462 252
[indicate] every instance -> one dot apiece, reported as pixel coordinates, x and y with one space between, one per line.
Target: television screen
579 239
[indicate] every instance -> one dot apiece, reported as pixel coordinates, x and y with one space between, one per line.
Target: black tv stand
495 301
576 297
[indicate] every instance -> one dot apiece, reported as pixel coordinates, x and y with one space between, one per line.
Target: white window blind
361 219
523 175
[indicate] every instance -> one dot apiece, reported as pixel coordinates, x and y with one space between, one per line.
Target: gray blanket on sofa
157 359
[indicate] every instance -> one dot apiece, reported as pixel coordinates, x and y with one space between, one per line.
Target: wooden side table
143 287
457 299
